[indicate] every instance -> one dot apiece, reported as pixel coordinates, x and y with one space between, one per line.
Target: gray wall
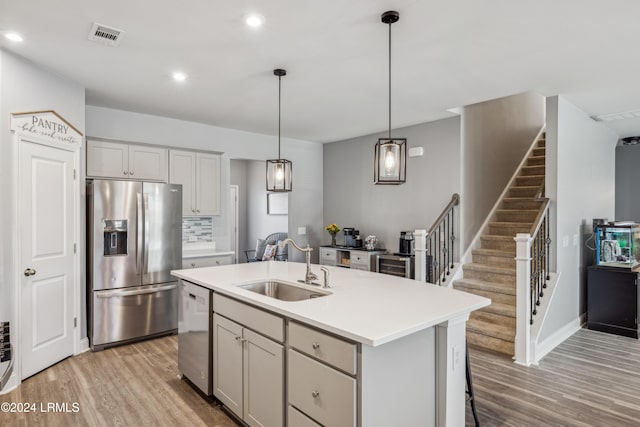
495 136
260 225
351 199
238 176
627 179
305 202
580 181
26 87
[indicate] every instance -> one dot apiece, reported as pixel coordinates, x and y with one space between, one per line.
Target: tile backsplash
197 229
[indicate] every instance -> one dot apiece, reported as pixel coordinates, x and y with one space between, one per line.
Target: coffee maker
352 237
407 243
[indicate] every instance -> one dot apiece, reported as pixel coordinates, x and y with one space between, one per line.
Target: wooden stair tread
522 187
503 332
509 224
489 269
485 286
506 310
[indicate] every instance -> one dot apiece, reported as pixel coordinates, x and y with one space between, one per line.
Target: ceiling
446 54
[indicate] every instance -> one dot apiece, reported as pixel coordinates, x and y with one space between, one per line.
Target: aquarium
617 245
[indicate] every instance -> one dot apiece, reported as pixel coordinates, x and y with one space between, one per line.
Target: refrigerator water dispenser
115 237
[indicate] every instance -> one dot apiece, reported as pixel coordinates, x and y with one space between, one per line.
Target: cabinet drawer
251 317
326 395
327 256
327 348
213 261
360 259
296 418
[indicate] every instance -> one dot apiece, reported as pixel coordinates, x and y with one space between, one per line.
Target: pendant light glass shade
279 171
279 175
390 159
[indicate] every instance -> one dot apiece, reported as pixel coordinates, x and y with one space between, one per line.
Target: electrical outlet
455 358
302 231
565 241
575 240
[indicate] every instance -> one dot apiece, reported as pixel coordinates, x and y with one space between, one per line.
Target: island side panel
398 382
451 370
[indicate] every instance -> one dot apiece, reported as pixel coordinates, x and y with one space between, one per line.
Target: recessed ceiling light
14 37
254 20
179 76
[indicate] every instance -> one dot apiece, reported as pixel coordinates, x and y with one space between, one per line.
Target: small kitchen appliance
352 237
407 243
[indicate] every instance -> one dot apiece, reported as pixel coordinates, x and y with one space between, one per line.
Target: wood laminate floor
592 379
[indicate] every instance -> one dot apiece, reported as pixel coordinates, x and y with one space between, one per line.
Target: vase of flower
332 229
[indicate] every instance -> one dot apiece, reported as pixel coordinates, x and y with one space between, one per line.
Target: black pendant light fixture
390 163
279 170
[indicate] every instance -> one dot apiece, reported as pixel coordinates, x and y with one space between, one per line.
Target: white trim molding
558 337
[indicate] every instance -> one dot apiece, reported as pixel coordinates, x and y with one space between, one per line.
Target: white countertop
366 307
200 252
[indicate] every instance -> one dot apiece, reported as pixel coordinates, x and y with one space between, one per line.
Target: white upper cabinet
121 160
199 174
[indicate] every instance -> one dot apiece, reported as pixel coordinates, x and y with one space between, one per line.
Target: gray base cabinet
248 373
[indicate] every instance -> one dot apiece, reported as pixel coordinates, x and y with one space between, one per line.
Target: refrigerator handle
140 230
145 256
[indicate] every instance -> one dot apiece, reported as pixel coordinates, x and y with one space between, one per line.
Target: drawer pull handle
238 338
315 345
315 394
193 264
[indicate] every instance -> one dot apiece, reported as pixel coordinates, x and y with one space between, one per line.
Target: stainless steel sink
282 291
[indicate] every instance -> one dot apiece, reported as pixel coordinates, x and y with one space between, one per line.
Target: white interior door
47 220
233 220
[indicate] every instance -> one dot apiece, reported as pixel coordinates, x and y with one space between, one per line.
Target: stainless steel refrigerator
134 233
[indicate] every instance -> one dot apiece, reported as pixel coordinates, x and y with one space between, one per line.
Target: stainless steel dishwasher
195 352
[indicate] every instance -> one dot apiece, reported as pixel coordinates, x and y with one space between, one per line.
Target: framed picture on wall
277 203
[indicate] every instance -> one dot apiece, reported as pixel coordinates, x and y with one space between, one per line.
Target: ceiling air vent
105 35
631 140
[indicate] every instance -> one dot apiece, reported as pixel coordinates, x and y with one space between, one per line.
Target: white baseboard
557 338
84 345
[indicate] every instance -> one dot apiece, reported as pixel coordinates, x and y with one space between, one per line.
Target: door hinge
74 174
75 322
75 248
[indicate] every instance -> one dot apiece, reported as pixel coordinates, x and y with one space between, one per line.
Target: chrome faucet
309 277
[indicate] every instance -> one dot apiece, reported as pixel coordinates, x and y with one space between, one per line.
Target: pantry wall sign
46 124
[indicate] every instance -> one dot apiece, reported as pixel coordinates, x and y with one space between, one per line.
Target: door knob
29 272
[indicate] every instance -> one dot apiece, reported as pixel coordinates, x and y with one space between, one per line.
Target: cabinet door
107 159
227 363
182 170
328 256
207 184
148 163
263 381
360 260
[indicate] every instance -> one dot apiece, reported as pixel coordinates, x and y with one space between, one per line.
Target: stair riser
501 245
496 261
532 170
521 204
486 276
542 143
494 296
517 216
495 331
494 344
539 151
523 191
508 230
535 161
530 180
496 319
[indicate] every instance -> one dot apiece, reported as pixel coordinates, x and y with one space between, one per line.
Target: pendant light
279 170
390 163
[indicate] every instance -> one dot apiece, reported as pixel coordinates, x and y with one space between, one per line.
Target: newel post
420 237
523 299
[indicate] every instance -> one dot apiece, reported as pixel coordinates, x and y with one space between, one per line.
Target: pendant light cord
279 114
390 80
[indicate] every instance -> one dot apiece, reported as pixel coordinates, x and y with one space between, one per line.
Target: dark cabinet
612 301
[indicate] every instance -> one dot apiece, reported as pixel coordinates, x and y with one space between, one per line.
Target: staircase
492 273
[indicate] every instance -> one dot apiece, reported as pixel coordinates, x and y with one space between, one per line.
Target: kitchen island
376 350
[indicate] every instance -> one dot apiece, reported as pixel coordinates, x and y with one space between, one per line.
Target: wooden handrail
455 199
538 221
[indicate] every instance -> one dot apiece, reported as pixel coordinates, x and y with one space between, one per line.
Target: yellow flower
332 228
